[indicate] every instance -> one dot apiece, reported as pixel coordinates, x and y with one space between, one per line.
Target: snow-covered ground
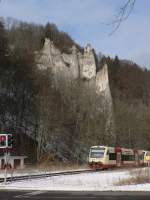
25 172
34 171
98 181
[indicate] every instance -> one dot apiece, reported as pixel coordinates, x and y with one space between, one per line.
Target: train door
118 157
136 158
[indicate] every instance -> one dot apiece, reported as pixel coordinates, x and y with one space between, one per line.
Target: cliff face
96 117
72 66
76 66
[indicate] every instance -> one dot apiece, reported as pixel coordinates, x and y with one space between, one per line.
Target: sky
89 21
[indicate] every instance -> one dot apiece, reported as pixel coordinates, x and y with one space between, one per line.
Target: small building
13 161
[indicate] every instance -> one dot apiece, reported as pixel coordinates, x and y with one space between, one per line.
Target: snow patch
98 181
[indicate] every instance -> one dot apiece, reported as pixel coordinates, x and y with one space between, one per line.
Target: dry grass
56 166
137 176
61 166
50 163
51 167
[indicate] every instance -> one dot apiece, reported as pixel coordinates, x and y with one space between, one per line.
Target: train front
97 157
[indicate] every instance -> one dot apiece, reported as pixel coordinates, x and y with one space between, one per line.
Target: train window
97 155
148 153
141 156
112 156
98 148
127 157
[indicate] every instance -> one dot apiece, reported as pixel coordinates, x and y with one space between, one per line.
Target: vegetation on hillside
63 121
130 88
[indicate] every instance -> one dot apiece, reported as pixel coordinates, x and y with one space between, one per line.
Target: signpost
6 142
3 141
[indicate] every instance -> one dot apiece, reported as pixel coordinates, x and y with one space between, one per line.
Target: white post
22 163
12 162
0 163
149 171
5 164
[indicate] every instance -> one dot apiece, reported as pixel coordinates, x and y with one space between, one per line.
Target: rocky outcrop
87 64
102 85
103 89
73 66
76 65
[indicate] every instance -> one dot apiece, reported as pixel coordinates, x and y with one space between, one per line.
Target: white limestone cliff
102 84
76 66
103 89
87 64
73 66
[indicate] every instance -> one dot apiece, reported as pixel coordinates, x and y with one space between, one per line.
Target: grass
62 166
56 166
136 176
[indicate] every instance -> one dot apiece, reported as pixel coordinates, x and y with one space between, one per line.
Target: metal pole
6 162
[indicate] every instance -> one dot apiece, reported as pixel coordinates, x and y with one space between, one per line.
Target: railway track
36 176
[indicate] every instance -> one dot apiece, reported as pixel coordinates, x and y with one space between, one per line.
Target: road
53 195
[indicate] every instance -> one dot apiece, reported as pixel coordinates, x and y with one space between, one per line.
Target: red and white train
104 157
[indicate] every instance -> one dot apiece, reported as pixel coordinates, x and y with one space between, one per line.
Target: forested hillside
71 120
130 87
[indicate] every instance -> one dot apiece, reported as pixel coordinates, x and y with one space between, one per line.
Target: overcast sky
86 21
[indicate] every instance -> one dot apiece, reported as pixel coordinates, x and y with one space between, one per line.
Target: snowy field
24 172
98 181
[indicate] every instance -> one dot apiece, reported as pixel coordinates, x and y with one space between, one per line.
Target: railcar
146 155
104 157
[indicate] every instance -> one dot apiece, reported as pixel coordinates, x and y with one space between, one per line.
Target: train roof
122 148
98 146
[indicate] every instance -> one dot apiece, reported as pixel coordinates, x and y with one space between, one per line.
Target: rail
36 176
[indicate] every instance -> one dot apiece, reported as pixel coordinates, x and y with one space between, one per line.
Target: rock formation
77 65
73 66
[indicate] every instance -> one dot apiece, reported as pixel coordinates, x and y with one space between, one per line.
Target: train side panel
110 157
128 157
103 157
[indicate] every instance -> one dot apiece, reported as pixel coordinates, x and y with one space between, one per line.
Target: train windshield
147 153
97 152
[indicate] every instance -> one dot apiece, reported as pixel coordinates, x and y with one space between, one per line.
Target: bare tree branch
122 15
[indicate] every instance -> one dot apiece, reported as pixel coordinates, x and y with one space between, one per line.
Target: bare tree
122 15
